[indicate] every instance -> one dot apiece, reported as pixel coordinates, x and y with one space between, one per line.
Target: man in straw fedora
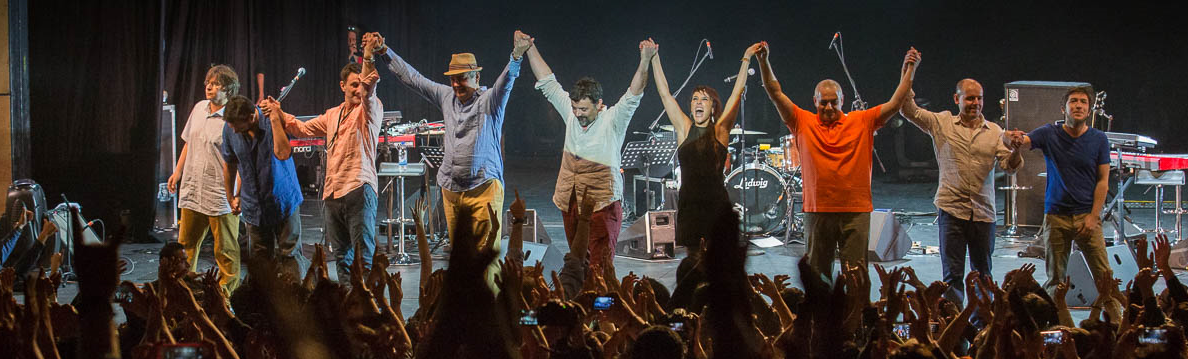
471 174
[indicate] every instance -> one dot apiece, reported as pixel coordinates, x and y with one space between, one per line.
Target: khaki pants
847 233
473 203
191 232
1061 232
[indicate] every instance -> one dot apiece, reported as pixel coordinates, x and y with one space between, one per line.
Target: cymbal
739 131
667 128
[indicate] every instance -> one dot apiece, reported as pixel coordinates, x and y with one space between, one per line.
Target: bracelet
516 221
746 59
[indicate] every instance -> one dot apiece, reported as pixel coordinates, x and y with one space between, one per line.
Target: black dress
702 196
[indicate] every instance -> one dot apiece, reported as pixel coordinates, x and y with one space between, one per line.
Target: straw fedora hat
462 63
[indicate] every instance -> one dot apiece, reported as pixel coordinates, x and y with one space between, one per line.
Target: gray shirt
473 130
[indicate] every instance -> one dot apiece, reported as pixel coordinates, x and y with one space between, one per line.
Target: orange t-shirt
836 159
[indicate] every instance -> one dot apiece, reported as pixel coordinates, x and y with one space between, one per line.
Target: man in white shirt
594 133
199 174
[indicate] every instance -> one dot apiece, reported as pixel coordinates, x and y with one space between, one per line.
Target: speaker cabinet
551 258
652 236
1029 105
888 239
1082 290
534 231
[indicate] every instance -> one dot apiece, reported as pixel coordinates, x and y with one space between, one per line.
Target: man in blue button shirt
1078 160
471 174
256 147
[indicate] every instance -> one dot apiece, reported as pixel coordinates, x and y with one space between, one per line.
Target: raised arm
647 50
280 141
431 91
924 119
676 116
547 84
906 74
782 103
730 111
501 90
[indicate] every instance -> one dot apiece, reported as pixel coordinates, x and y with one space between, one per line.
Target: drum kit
764 185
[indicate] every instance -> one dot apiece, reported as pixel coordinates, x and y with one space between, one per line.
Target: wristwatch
516 221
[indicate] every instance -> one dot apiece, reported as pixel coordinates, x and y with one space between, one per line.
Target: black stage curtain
94 105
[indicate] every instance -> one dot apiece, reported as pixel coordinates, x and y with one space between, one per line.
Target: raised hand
1142 256
911 59
648 49
1162 252
493 232
587 208
912 279
373 43
520 43
762 51
752 50
518 209
1062 291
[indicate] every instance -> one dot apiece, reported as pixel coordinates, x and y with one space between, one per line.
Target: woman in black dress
702 154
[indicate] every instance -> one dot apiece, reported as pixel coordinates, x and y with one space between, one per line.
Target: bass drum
764 189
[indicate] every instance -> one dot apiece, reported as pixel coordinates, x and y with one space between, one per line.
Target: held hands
754 49
1013 139
234 202
373 43
521 42
271 108
911 60
647 49
762 51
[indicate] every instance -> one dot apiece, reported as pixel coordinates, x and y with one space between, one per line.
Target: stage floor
535 180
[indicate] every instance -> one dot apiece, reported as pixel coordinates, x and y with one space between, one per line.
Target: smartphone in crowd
185 351
528 317
603 303
903 330
1053 337
1152 336
677 326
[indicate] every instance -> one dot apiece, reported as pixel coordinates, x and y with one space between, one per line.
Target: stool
1160 179
398 173
1012 221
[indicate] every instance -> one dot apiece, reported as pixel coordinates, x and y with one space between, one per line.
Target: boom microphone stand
858 104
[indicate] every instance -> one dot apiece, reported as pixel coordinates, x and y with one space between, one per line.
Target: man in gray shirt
967 147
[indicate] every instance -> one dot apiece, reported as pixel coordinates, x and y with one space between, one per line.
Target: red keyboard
1150 162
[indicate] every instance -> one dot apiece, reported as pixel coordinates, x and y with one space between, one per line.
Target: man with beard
1078 167
351 130
594 133
471 172
836 152
967 147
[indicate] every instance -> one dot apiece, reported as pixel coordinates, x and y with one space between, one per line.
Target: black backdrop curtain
94 105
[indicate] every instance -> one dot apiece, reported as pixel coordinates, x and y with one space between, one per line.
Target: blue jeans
955 235
350 227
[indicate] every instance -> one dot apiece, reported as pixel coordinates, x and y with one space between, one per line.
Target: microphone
750 71
285 90
709 49
833 42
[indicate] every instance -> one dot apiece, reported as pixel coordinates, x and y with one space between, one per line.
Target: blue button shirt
473 130
269 192
1072 167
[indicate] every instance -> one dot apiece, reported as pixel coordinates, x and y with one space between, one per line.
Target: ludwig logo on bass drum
751 182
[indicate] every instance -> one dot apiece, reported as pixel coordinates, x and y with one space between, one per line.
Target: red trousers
604 230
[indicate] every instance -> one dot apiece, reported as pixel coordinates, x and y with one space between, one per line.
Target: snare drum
791 155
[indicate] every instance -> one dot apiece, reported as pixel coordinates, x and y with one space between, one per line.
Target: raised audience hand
518 209
1162 253
1143 257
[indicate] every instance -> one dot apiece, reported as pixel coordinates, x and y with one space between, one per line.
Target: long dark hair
713 94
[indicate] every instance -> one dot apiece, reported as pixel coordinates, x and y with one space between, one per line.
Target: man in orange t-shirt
835 152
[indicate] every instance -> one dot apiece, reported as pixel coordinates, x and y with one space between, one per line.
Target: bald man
967 149
836 151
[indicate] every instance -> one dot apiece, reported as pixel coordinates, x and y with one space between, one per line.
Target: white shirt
591 159
201 185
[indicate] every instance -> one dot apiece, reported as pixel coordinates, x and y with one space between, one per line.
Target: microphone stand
652 127
858 104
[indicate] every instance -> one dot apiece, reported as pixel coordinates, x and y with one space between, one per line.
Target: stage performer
351 130
471 174
1078 167
255 146
198 177
967 146
703 138
835 152
590 162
